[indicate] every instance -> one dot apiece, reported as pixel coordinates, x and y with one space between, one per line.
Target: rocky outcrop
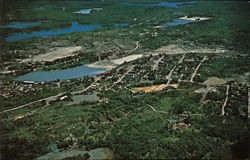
101 153
62 155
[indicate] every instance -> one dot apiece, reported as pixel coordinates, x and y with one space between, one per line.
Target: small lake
75 27
20 25
178 22
163 4
66 74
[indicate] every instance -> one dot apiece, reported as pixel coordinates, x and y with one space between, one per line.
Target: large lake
163 4
71 73
20 25
75 27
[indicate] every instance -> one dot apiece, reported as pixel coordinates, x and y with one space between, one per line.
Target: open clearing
170 49
115 62
154 88
77 99
51 56
215 81
195 18
183 49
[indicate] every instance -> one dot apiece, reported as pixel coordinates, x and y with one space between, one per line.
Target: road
40 100
225 102
197 68
47 99
121 78
156 64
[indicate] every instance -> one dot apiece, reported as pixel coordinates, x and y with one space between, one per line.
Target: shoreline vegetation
175 92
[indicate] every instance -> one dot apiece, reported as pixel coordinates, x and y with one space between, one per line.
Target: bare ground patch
195 18
170 49
109 64
215 81
183 49
51 56
154 88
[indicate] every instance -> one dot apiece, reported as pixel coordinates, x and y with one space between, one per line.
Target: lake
20 25
163 4
71 73
75 27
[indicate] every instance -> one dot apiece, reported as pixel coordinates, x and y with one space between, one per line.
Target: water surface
162 4
75 27
121 25
20 25
66 74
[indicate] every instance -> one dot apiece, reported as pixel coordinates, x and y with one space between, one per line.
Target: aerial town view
124 79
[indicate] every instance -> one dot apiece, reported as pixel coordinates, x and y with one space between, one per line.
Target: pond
66 74
75 27
163 4
20 25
